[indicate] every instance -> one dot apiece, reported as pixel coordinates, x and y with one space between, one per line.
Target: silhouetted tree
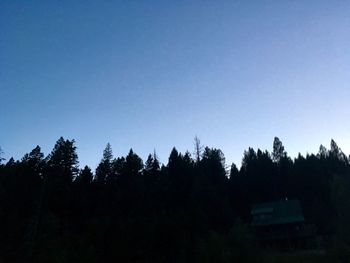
198 149
185 209
10 163
105 170
63 160
152 164
1 158
173 159
85 176
336 153
118 166
133 164
322 152
34 160
213 160
233 171
278 150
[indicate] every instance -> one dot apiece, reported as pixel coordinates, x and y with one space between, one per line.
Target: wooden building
281 224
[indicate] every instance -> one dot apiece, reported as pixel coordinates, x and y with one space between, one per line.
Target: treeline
189 210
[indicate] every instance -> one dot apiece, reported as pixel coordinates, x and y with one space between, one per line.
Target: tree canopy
131 211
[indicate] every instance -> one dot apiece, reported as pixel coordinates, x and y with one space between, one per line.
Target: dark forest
195 208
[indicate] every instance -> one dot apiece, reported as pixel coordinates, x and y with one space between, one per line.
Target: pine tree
104 169
152 164
198 149
34 160
63 159
322 152
85 176
233 171
133 164
1 153
278 150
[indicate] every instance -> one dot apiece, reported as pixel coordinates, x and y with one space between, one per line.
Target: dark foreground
192 209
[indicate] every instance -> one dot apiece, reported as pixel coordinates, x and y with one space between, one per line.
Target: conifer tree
104 169
278 150
63 160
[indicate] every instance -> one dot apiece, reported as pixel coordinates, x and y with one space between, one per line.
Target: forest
195 208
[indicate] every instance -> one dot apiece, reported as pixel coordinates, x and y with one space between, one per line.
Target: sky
151 75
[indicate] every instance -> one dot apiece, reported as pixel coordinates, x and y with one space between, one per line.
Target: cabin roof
275 213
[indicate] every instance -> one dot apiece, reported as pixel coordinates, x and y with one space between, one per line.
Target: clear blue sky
153 74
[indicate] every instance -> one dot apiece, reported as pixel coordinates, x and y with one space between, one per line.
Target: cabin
281 224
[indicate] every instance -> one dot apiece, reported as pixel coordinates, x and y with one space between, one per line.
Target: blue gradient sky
153 74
